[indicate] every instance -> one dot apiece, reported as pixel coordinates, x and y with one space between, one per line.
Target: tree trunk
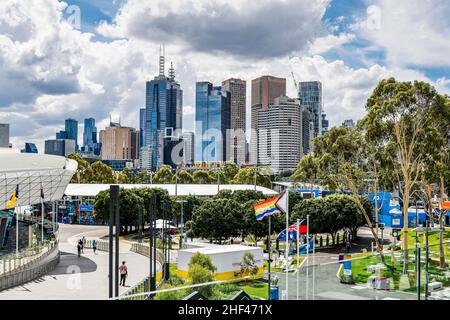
405 225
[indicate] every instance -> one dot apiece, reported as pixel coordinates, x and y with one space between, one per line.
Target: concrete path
328 287
84 278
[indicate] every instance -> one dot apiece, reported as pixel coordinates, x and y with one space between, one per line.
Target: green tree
184 177
100 173
230 170
201 270
202 260
247 176
217 219
164 175
307 170
129 203
83 165
400 115
248 265
202 177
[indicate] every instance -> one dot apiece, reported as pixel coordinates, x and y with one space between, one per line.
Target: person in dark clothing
79 250
347 246
94 246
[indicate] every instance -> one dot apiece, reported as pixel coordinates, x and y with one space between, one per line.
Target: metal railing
144 285
13 262
144 250
29 265
102 245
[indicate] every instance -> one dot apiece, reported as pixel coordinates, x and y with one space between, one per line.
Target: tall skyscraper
72 131
188 148
4 135
307 130
163 117
60 147
264 91
119 143
212 120
141 127
61 135
310 95
90 136
236 139
280 135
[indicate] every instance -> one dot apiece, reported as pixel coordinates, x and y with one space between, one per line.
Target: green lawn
433 240
401 282
256 288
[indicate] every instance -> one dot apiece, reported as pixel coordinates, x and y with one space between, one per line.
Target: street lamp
182 222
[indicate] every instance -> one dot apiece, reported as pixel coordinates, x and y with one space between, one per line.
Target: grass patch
400 282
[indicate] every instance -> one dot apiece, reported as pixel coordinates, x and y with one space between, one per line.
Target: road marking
340 296
359 287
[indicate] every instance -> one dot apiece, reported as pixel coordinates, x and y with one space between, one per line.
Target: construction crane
295 81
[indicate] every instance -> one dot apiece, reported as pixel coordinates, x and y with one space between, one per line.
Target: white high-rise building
188 148
279 135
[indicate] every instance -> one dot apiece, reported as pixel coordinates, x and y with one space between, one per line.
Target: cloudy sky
56 63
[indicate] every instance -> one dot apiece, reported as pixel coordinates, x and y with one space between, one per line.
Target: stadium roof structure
91 190
33 175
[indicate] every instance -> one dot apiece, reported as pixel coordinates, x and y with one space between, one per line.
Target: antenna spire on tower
162 53
171 72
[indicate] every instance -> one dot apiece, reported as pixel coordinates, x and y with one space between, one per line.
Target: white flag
282 203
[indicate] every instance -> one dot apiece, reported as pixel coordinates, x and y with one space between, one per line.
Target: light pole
182 222
298 254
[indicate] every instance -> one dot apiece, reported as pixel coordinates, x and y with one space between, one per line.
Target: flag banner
12 202
266 208
301 229
282 202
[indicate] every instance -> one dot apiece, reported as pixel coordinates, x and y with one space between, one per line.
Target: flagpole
270 249
287 244
307 256
298 256
42 220
314 267
17 233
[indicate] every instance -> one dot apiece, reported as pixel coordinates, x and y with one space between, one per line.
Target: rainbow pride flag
266 208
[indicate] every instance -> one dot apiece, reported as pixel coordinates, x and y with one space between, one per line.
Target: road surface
84 278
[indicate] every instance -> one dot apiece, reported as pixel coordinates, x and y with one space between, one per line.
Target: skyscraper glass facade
212 120
163 116
89 135
72 131
310 95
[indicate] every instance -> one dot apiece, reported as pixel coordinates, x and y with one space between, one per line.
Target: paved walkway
328 287
84 278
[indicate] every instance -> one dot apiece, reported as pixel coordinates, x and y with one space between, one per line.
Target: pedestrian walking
94 246
84 243
347 246
80 243
123 273
79 250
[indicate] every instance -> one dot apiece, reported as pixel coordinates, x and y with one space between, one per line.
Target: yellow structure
226 258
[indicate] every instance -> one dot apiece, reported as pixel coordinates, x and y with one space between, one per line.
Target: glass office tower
72 131
89 135
310 95
163 117
212 120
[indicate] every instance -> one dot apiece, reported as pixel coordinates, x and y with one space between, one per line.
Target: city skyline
342 45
